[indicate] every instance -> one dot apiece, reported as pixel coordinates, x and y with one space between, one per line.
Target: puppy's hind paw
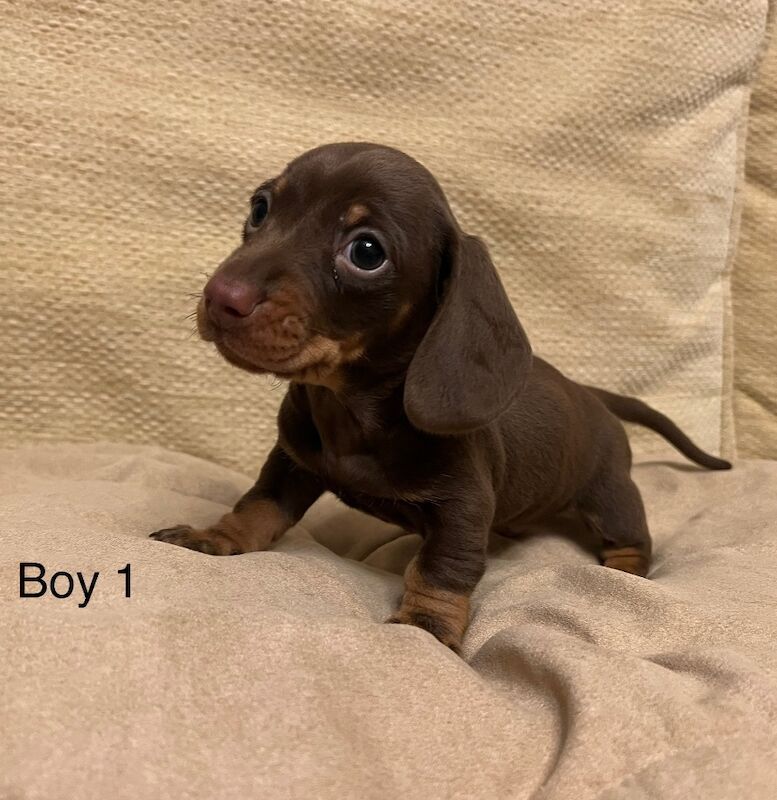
627 559
437 626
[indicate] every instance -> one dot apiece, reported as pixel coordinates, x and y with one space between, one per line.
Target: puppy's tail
629 409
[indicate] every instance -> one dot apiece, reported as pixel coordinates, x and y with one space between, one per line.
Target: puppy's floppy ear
475 356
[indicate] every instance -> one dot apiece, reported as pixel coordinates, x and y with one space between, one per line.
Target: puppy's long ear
475 356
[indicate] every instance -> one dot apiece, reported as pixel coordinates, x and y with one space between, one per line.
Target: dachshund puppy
413 394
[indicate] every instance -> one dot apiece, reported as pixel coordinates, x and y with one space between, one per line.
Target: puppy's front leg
441 578
278 500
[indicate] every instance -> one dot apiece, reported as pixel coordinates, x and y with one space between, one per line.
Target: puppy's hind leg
612 506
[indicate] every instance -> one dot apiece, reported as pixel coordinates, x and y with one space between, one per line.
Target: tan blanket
270 675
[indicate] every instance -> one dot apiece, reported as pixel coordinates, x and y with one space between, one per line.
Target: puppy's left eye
259 210
366 253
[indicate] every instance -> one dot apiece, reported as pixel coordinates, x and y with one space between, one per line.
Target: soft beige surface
270 675
592 144
755 277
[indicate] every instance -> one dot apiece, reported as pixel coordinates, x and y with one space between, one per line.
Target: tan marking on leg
627 559
254 527
443 613
356 213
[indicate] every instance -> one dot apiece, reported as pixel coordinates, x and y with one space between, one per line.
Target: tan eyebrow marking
356 213
281 183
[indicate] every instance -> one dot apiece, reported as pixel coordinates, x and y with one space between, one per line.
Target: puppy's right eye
259 211
366 253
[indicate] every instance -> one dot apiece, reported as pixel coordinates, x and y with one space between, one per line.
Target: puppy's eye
365 253
259 210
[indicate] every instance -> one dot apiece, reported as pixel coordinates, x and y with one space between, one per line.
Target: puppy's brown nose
230 302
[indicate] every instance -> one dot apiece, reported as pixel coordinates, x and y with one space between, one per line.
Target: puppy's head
352 262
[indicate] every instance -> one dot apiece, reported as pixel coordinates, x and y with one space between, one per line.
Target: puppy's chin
246 355
318 362
315 362
236 359
317 359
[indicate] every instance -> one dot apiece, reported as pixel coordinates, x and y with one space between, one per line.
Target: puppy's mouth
284 348
288 367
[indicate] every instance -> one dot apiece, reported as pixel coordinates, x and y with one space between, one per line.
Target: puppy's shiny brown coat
414 394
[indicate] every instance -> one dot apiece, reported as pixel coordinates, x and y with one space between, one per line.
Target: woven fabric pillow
593 145
755 276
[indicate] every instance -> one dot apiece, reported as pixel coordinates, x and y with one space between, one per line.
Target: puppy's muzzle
253 328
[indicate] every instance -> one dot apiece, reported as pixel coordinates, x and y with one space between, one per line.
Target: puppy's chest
360 458
355 460
371 480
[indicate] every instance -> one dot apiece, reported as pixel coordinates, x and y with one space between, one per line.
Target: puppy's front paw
448 634
209 540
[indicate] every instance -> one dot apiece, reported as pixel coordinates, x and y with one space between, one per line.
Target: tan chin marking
320 360
351 349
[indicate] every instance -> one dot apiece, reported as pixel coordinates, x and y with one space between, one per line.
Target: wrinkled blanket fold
271 675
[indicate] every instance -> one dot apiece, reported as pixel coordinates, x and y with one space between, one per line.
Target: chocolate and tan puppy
413 393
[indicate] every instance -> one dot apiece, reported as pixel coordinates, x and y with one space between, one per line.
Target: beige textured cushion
592 144
755 277
269 676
